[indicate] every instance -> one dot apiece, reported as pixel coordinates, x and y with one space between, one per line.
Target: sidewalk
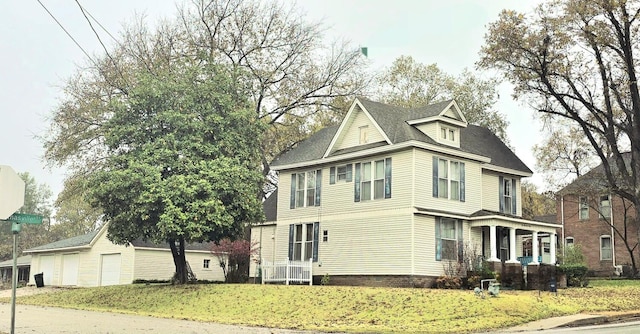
573 321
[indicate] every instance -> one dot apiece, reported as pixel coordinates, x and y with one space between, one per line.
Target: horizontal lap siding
424 185
90 263
351 134
375 243
490 189
261 236
425 245
196 261
339 197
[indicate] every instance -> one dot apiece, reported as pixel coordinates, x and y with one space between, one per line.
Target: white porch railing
287 271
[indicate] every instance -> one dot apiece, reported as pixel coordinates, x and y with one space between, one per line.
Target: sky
37 56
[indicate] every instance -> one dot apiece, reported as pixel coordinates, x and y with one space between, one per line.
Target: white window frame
445 221
364 134
605 210
507 196
448 133
606 254
371 181
206 264
569 241
302 195
302 242
583 208
449 177
341 173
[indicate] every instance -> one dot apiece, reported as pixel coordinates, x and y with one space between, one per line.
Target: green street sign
24 218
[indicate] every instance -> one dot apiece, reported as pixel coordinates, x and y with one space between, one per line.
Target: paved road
52 320
618 328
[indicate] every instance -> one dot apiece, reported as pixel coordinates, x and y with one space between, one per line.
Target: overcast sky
37 56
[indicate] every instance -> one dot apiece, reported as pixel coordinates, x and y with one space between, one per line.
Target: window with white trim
447 133
448 179
448 239
373 180
606 250
342 173
364 134
507 195
205 263
584 208
305 189
605 206
303 241
569 241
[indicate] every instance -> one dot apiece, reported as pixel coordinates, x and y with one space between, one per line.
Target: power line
101 43
67 32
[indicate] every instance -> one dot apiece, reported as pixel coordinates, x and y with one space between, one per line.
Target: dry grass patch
349 309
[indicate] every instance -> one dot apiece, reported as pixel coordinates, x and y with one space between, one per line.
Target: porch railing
525 260
287 271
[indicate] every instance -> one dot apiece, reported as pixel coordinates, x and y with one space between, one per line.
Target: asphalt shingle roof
78 241
595 179
393 121
270 207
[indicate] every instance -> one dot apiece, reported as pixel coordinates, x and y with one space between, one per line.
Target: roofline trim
345 121
29 251
506 170
384 149
439 118
515 220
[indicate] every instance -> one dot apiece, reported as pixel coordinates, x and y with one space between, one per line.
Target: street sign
11 192
24 218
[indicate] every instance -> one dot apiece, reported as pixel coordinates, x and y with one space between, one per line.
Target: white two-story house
391 195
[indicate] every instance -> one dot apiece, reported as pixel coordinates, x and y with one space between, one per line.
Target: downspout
613 236
564 243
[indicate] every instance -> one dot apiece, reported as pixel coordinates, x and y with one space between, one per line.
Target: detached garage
93 260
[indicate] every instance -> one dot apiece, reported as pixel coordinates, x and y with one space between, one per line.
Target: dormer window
448 134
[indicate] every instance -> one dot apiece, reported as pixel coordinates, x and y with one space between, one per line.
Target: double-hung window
448 179
583 208
606 252
342 173
303 241
507 194
305 189
605 206
372 180
448 239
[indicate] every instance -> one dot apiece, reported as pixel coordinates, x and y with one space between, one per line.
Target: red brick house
601 223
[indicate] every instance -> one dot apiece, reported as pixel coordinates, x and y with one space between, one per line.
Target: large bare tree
576 60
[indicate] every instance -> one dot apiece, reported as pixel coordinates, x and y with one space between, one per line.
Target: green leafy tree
291 71
535 203
410 84
183 161
37 200
577 61
74 214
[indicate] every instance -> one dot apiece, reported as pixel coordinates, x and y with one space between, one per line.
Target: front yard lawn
346 309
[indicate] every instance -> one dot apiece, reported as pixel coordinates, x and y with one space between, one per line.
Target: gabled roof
21 261
394 122
270 207
595 179
81 241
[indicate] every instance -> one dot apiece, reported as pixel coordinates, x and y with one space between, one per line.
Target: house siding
157 264
351 134
491 191
92 266
339 197
264 238
424 185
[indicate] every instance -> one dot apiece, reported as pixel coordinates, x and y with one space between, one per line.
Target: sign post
11 199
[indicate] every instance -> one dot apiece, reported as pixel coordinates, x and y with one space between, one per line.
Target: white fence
287 271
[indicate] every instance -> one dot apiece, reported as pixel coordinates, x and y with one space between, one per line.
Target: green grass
350 309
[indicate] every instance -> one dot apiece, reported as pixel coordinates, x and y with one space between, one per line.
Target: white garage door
110 269
70 269
46 267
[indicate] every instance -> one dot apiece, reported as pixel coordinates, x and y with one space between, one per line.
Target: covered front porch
515 240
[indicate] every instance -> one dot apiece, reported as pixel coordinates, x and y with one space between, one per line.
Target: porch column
512 246
552 248
535 248
492 244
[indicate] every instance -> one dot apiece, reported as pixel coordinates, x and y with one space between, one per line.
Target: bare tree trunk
179 260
